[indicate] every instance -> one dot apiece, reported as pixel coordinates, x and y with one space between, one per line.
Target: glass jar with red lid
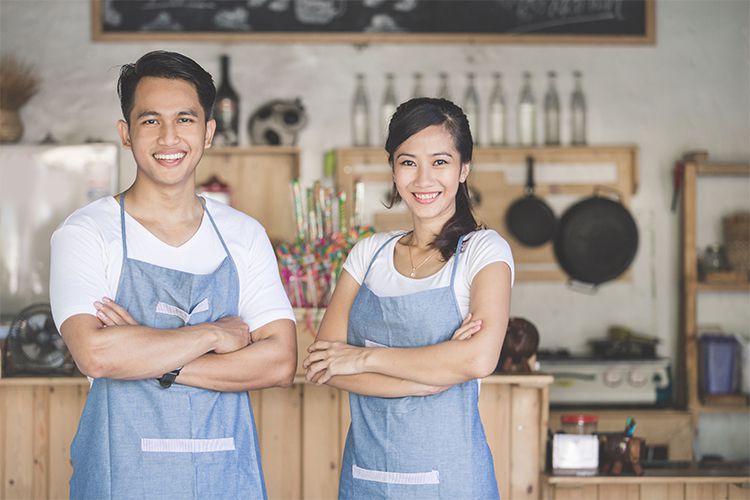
579 424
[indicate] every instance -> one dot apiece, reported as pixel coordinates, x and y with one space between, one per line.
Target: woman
393 335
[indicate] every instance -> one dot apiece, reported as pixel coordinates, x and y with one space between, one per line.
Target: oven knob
612 377
637 378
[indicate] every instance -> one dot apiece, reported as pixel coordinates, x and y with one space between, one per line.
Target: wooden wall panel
281 442
19 444
63 423
41 436
662 491
320 441
494 407
619 491
738 491
525 435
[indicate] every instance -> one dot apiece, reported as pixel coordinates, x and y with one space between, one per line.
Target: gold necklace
414 268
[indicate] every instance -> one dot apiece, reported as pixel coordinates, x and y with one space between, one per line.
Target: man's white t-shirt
86 259
480 249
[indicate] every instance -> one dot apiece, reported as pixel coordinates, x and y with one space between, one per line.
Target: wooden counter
301 429
677 484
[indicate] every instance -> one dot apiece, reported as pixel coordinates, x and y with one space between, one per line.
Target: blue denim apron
416 446
138 440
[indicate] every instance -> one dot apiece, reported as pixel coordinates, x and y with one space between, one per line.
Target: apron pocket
369 483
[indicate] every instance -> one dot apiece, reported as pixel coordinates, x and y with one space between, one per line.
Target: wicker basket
737 240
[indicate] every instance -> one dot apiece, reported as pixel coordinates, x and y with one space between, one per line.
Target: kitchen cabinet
259 179
697 167
562 175
671 485
302 430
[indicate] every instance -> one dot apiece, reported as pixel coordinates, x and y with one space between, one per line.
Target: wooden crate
259 179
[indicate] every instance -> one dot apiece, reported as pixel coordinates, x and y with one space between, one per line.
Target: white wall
689 90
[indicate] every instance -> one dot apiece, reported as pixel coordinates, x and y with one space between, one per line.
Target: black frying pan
596 239
529 219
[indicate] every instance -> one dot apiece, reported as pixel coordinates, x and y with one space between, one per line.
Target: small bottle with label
551 112
527 113
577 112
471 108
388 106
418 91
360 114
444 90
497 113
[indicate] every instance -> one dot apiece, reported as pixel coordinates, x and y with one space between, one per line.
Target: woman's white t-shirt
480 248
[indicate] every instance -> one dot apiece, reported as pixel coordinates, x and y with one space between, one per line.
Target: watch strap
168 379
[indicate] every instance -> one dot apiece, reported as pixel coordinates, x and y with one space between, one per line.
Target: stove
608 382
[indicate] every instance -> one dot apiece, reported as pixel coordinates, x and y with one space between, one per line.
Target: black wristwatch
167 379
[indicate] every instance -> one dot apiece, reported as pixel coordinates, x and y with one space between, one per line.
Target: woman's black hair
163 64
414 116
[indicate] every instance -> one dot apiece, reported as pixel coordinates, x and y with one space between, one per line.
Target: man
173 304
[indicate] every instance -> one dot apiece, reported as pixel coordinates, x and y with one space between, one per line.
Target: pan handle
609 192
529 174
580 286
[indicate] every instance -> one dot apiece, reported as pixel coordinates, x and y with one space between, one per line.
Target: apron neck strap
218 233
122 227
455 259
378 251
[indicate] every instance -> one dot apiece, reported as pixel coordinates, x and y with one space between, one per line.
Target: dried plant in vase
18 83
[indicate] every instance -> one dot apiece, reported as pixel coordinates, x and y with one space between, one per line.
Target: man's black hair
162 64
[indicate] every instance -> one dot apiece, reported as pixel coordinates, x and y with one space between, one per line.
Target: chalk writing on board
626 17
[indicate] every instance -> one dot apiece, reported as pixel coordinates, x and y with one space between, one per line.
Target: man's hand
232 334
112 314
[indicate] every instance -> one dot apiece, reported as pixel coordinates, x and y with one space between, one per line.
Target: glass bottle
360 114
527 113
577 112
497 113
388 107
444 90
226 109
471 107
551 112
418 90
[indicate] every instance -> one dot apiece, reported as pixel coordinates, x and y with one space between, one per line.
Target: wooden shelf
665 476
48 381
729 403
739 286
721 169
696 167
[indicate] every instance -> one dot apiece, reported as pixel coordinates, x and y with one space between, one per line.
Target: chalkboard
363 21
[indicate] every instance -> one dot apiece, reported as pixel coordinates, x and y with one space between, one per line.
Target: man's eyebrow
147 113
189 112
442 153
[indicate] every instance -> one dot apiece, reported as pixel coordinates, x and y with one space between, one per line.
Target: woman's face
427 169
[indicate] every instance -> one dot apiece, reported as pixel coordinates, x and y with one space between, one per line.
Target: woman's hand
327 359
467 329
112 314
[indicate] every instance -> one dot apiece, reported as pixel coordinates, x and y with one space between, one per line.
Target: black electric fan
34 347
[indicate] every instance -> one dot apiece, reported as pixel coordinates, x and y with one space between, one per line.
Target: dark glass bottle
226 109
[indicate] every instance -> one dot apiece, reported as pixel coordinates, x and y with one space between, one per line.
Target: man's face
168 131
